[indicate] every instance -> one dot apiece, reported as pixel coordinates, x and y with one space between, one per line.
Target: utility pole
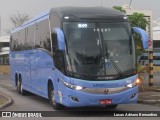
0 34
101 4
0 26
130 4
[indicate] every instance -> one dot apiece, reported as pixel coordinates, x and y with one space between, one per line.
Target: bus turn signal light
138 81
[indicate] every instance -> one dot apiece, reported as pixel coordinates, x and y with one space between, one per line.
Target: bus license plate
104 102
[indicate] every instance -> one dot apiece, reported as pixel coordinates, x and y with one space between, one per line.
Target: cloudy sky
34 7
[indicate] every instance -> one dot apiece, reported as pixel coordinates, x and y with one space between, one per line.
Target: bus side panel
17 64
12 70
41 73
35 68
27 75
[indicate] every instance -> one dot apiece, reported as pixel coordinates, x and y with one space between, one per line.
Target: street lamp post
0 26
130 4
101 3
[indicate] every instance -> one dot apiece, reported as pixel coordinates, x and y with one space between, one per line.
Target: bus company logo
106 91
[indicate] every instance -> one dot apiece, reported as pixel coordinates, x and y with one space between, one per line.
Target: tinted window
84 48
1 61
45 35
144 58
156 57
6 62
22 39
5 44
91 49
156 44
54 42
38 36
30 38
14 41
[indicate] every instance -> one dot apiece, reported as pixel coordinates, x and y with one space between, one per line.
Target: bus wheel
52 99
19 87
111 106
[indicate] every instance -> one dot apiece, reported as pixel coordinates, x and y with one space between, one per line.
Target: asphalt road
156 80
36 103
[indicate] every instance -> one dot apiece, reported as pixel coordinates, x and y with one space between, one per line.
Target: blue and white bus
66 55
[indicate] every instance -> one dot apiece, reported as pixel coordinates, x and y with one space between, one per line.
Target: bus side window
45 36
54 42
15 41
11 43
37 35
30 38
58 55
22 39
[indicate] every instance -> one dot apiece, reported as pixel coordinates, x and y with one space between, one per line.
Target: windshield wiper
116 66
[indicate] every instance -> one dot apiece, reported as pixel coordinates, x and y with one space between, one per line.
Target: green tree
138 20
119 8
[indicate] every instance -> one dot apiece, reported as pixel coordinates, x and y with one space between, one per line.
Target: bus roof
87 12
78 12
41 16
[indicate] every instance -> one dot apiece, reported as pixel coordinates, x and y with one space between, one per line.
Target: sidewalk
150 95
5 101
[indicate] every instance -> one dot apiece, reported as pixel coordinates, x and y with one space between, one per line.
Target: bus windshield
99 50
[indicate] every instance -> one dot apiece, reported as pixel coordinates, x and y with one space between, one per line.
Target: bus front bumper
73 98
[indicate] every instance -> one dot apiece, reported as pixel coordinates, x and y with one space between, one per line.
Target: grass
5 69
3 99
2 102
156 69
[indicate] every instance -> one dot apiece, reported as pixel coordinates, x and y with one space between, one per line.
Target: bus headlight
132 84
73 86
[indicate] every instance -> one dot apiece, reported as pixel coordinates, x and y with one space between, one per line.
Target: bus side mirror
60 38
144 36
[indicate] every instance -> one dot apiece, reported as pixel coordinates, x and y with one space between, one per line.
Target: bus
64 55
144 60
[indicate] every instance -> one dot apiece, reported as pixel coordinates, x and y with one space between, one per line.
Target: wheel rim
21 88
53 100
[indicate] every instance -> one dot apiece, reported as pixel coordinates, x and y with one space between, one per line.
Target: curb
157 90
9 102
149 101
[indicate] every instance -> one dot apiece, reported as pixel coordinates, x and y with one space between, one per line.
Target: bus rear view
93 59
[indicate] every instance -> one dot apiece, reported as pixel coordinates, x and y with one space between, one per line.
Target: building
4 54
4 50
156 37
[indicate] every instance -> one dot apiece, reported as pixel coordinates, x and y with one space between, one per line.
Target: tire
111 106
20 87
52 99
